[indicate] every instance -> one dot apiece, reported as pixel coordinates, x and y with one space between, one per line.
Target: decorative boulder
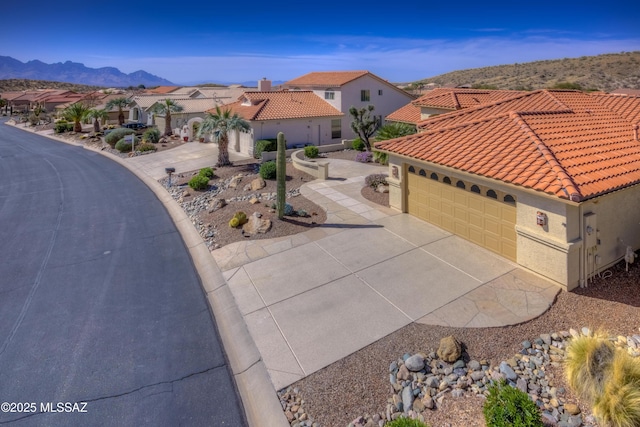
415 363
258 184
256 225
235 180
450 349
216 204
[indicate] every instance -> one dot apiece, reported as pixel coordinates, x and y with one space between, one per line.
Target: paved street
99 300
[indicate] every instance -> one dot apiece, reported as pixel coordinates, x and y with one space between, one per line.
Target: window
422 172
412 169
336 128
447 180
434 176
492 194
509 199
460 184
365 96
475 189
329 94
379 92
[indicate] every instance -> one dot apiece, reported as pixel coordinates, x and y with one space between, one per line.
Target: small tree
219 125
119 103
363 124
76 113
165 108
98 116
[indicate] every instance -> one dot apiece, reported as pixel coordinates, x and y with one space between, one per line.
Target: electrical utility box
590 230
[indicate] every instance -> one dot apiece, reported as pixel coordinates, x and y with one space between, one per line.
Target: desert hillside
603 72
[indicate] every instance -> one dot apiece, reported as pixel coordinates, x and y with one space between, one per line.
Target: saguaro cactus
281 175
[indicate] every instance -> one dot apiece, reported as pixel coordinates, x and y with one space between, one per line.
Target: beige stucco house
344 89
548 179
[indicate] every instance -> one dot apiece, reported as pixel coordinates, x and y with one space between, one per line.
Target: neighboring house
445 100
186 122
344 89
303 117
548 179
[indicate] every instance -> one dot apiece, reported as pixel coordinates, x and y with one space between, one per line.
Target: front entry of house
483 216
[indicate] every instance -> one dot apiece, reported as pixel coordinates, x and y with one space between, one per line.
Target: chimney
264 85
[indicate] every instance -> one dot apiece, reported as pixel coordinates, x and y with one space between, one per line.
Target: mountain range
74 72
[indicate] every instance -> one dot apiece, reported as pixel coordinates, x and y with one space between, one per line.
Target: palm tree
98 116
76 112
165 108
394 130
120 103
219 125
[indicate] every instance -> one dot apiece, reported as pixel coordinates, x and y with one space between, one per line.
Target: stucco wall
316 131
426 112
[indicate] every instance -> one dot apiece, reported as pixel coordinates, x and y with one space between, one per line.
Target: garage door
463 209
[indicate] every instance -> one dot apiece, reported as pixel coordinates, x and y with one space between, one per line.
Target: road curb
259 398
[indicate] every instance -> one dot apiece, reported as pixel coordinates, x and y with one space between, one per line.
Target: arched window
475 189
422 172
434 176
492 194
412 169
446 180
460 184
509 199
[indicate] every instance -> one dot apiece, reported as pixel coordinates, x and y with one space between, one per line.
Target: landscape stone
258 184
256 225
449 349
415 363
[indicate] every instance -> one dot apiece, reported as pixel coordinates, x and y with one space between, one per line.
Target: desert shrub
62 126
199 182
146 146
33 119
264 145
238 219
508 406
151 135
302 213
380 157
358 145
268 170
116 135
206 172
405 422
288 209
607 378
375 179
364 157
123 146
311 151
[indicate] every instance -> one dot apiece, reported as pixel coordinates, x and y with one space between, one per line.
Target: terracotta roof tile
325 78
407 114
282 105
458 98
566 143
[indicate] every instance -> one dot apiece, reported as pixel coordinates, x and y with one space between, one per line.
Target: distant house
186 122
549 179
302 116
344 89
445 100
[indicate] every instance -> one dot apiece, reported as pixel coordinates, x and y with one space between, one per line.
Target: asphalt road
101 309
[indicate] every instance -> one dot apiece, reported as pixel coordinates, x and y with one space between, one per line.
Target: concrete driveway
311 299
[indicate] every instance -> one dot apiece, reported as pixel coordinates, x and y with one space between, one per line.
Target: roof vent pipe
635 132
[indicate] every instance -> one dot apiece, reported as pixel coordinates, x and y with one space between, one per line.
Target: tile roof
408 114
257 106
458 98
622 91
163 89
192 105
326 78
565 143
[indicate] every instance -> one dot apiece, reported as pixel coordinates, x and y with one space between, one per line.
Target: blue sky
197 41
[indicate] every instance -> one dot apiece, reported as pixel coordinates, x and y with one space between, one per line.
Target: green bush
206 172
199 182
123 146
311 151
380 157
146 146
264 145
358 145
151 135
116 135
268 170
508 406
405 422
62 126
